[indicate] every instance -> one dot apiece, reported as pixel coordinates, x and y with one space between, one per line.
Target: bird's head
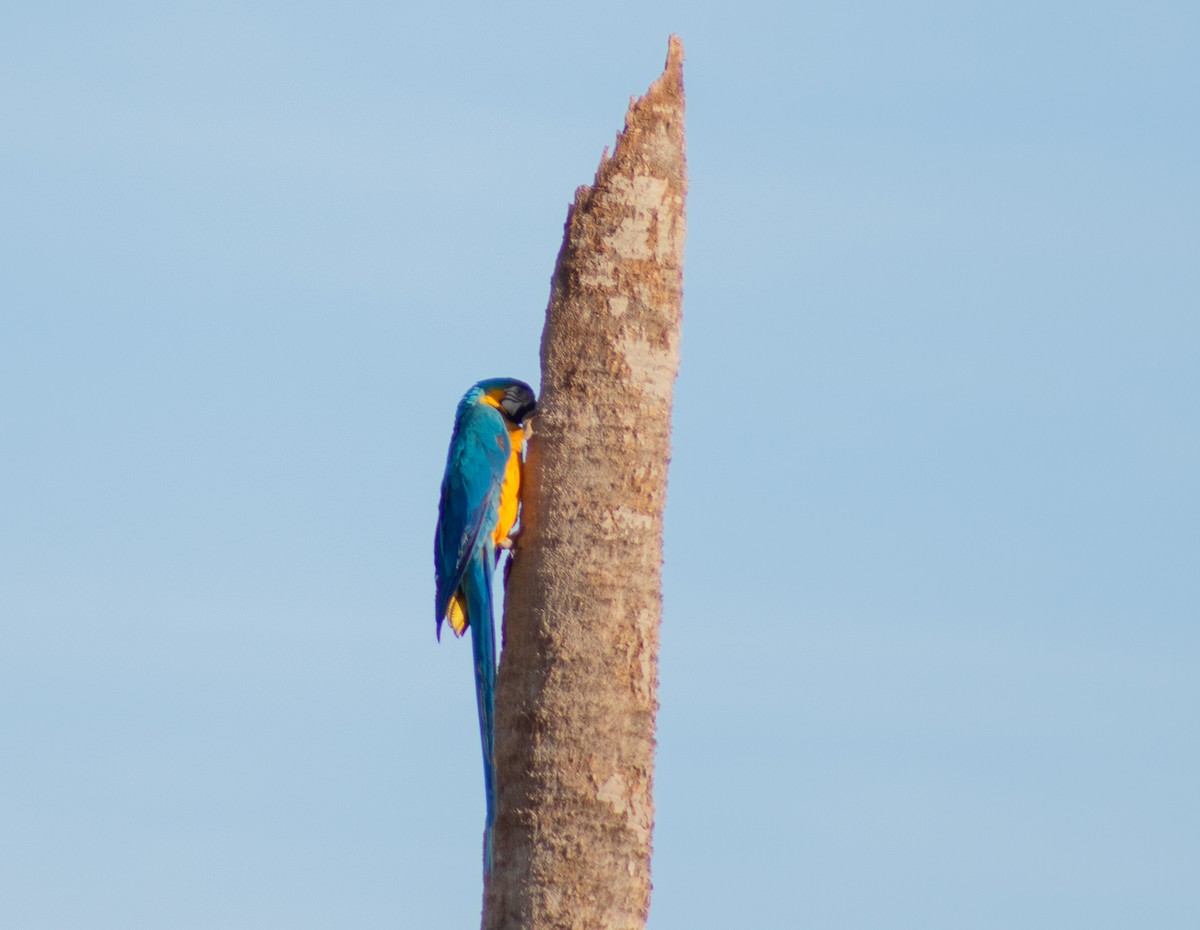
514 399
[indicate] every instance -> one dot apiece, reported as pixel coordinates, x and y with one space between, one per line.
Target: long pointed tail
483 646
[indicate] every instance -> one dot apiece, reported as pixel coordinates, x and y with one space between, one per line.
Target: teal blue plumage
469 515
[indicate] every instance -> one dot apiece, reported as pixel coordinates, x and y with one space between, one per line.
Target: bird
476 515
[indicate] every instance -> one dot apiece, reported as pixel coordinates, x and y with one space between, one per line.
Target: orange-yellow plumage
510 491
456 614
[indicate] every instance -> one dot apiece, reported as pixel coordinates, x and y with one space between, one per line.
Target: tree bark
577 692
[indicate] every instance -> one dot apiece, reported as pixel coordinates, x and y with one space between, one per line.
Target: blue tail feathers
478 584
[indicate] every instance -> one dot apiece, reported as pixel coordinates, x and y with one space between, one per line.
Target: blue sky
930 640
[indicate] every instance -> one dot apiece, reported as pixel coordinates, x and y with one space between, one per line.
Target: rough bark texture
576 700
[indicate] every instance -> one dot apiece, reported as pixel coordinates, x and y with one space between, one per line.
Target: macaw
476 514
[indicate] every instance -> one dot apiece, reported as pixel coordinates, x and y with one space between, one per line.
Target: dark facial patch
519 402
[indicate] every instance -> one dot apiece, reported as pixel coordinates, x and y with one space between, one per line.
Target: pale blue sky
931 644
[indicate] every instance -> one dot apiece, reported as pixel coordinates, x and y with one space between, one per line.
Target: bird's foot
510 541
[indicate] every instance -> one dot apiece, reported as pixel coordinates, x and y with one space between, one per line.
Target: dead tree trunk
578 681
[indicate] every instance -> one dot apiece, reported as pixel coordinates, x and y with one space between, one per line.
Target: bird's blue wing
475 465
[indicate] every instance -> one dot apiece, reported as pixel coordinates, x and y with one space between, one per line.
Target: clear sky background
931 654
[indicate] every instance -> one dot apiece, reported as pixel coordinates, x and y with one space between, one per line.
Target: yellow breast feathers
510 491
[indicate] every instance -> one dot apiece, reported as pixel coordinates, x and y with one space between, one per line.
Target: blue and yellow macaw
480 496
